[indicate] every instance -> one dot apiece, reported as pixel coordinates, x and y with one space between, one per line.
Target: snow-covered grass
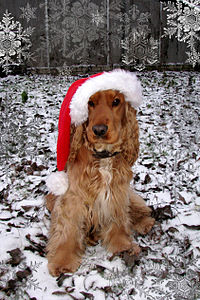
166 175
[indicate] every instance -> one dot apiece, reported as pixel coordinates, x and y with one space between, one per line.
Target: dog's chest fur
104 198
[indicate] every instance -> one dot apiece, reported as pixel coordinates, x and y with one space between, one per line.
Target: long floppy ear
130 136
76 141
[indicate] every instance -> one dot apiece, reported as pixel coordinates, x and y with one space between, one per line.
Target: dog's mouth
104 154
105 150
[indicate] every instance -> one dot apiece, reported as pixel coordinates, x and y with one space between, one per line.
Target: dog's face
105 119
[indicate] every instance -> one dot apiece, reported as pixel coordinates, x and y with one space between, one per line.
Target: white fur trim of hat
57 183
123 81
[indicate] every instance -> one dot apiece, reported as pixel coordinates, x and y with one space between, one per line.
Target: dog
99 204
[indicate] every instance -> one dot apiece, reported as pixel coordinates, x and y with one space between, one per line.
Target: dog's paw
68 266
119 244
125 245
148 224
145 225
129 256
135 250
56 269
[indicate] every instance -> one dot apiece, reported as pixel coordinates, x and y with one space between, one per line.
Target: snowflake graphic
140 49
182 288
14 42
137 18
78 26
183 22
28 12
190 20
98 18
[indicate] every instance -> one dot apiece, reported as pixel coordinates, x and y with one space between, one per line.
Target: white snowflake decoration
78 25
140 49
28 12
183 22
14 42
98 18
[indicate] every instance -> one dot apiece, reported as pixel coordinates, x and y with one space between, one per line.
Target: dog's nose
100 130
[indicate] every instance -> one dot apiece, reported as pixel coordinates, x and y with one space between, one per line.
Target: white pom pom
57 183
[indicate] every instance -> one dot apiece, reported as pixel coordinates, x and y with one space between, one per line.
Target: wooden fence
67 35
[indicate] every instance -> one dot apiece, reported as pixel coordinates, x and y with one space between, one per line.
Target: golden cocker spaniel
99 203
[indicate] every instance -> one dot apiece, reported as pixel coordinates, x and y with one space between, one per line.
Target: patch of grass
24 96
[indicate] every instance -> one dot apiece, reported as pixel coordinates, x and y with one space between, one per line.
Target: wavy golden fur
99 203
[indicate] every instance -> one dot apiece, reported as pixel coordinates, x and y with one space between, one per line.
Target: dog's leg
66 243
116 238
140 214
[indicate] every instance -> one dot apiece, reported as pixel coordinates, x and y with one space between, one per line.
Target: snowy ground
166 175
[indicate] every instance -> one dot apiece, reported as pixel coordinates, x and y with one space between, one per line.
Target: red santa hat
74 109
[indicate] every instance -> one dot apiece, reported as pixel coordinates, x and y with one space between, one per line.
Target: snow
166 175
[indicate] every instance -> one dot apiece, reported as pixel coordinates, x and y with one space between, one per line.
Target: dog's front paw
119 243
129 255
63 261
56 268
145 225
135 250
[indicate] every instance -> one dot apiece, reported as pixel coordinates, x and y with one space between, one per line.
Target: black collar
104 154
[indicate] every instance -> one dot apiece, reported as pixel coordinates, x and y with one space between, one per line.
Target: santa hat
74 109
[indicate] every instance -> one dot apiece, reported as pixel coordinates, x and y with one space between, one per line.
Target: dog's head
99 112
111 127
105 119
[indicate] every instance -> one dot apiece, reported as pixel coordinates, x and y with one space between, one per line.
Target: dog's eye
91 103
116 102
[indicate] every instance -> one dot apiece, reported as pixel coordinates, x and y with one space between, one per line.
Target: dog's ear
76 141
130 135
